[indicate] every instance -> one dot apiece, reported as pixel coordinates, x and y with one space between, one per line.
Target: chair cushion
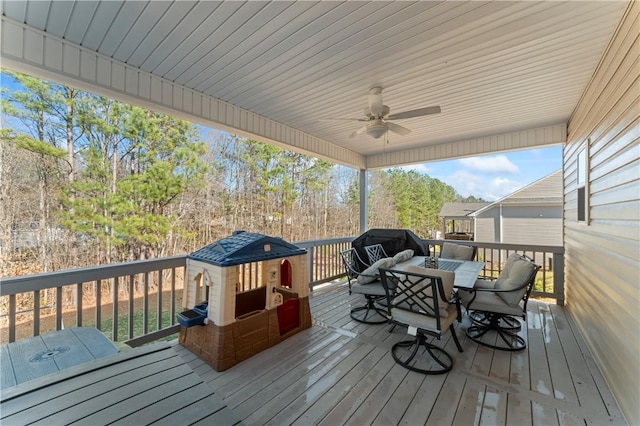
370 274
488 302
424 322
484 284
374 288
447 285
456 251
515 274
403 256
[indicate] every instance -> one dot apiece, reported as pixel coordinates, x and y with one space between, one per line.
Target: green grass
138 324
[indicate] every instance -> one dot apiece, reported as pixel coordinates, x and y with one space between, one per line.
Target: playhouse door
285 274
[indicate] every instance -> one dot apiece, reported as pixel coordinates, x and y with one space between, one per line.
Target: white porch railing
550 279
137 302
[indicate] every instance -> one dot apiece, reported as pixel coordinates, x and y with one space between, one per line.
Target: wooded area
88 180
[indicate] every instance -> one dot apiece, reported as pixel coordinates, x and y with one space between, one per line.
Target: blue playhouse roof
245 247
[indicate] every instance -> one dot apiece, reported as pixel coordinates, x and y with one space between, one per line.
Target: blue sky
493 176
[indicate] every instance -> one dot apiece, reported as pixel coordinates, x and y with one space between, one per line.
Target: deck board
340 390
291 403
341 372
41 395
262 391
344 409
140 386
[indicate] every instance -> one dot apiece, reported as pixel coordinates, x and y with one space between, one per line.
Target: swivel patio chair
375 252
418 298
367 283
495 307
458 251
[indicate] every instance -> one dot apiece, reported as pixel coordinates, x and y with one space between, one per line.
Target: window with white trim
583 184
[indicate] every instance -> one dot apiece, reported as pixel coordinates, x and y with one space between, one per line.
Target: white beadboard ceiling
493 67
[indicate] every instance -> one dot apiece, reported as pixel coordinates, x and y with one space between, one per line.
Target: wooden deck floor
341 372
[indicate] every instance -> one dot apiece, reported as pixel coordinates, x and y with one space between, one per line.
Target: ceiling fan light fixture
376 131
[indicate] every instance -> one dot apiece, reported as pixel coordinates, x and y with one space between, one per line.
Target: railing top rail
315 243
500 246
26 283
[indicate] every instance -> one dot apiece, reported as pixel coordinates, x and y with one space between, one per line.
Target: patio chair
495 306
375 252
458 251
418 298
368 284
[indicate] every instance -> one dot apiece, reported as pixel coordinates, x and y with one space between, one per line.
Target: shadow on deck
342 372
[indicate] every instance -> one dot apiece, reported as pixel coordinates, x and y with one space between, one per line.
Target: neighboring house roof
460 210
544 191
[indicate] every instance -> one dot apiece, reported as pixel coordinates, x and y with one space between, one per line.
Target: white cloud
479 185
495 164
501 187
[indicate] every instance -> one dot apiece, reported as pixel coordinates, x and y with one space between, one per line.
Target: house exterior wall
487 228
531 215
539 225
602 254
533 224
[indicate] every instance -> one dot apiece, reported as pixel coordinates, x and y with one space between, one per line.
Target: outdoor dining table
466 271
41 355
140 386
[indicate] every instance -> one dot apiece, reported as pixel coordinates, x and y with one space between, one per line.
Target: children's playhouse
230 316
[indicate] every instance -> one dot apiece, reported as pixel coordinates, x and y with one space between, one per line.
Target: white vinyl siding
537 225
487 227
602 259
531 215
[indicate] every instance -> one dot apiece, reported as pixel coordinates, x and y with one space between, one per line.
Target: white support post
364 202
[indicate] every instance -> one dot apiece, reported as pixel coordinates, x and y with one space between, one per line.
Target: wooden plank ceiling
493 67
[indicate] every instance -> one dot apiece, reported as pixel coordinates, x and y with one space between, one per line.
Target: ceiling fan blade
396 128
360 131
415 113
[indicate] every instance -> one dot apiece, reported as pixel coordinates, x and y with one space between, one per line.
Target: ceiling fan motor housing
385 111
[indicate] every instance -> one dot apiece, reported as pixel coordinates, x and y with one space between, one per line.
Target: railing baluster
12 318
59 324
332 258
36 313
79 305
130 305
116 285
172 302
159 300
544 272
310 266
145 305
99 304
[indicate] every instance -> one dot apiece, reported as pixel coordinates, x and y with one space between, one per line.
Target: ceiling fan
379 121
